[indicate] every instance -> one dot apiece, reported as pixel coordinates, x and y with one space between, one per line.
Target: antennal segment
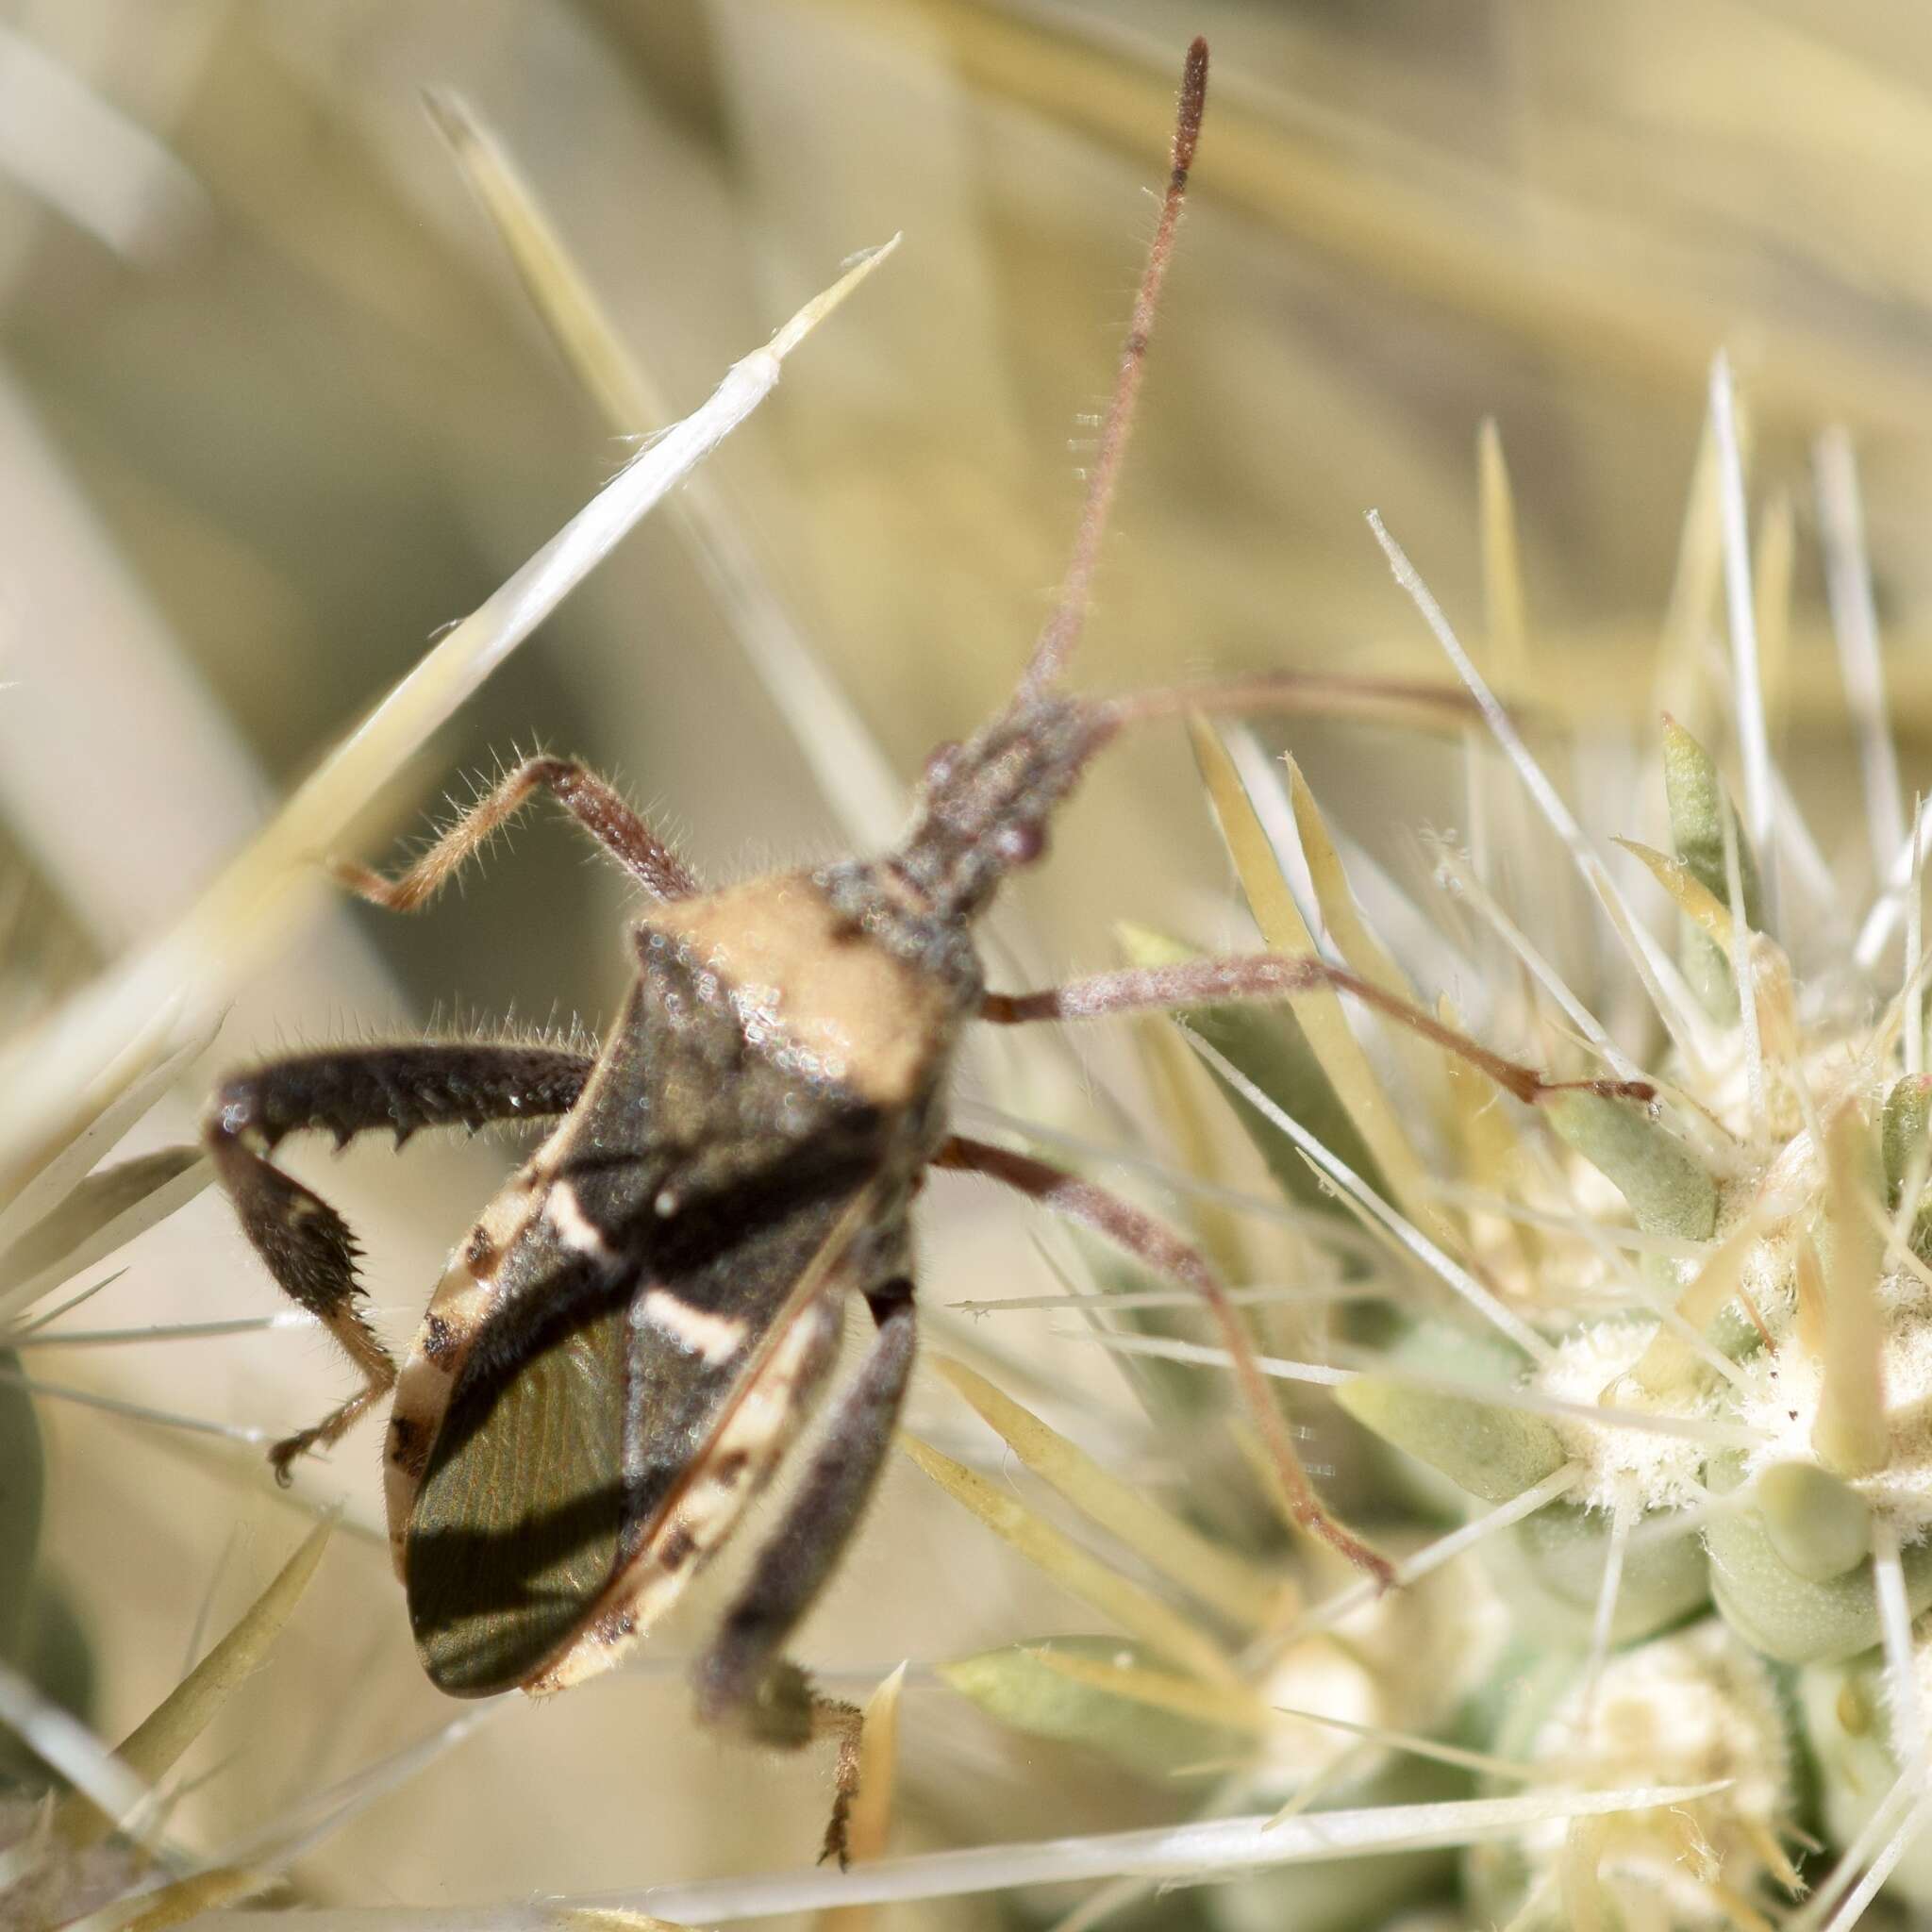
1070 613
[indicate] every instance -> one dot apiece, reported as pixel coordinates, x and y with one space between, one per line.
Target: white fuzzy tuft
1622 1466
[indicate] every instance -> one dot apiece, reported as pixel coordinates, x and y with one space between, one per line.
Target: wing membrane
519 1518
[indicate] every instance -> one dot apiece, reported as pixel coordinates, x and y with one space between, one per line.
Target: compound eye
941 762
1021 843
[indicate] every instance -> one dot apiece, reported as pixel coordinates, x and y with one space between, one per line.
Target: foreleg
306 1244
743 1680
1157 1245
595 806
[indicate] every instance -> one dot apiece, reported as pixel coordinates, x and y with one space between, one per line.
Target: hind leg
743 1681
1151 1241
306 1244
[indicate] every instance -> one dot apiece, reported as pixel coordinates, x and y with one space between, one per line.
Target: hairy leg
306 1244
743 1680
595 805
1247 976
1151 1241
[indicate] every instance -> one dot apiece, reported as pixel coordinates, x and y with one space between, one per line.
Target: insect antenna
1062 629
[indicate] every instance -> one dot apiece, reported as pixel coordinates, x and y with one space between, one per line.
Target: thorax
835 977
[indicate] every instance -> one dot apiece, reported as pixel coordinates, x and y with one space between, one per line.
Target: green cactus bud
1493 1453
1788 1615
1698 806
1695 795
1552 1566
1454 1353
1906 1138
1905 1131
1819 1526
1666 1185
1020 1687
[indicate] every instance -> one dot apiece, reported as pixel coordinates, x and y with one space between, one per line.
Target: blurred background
275 407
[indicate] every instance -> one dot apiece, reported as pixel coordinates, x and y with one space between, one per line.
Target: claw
835 1846
282 1457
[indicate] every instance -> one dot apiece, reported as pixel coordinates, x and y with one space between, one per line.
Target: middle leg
1246 977
743 1680
1273 976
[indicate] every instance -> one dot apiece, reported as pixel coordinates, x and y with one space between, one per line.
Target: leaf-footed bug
618 1356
